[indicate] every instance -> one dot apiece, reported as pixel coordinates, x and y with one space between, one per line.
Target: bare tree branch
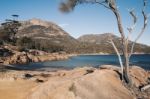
145 87
119 22
114 9
130 29
69 5
103 3
143 28
118 54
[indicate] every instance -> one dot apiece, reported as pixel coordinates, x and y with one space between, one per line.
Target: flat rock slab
101 84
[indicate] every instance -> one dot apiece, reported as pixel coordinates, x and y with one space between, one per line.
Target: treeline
26 43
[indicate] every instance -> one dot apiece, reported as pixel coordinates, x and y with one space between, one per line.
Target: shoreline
112 54
50 57
25 58
26 66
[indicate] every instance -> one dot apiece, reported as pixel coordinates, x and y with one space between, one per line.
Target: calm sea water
87 60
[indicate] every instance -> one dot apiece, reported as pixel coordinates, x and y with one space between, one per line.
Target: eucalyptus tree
10 28
69 5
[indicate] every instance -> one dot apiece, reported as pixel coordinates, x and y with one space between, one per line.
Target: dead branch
131 28
103 3
119 56
145 16
114 9
145 87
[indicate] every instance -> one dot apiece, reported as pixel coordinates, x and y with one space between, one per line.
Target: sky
85 19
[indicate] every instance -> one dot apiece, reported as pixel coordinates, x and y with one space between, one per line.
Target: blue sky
85 19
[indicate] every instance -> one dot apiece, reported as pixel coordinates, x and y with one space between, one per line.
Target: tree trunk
124 46
126 71
126 65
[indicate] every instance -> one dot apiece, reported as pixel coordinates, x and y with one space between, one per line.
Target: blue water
88 60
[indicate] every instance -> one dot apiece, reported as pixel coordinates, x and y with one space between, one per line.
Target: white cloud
63 25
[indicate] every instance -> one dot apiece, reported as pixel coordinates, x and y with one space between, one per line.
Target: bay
142 60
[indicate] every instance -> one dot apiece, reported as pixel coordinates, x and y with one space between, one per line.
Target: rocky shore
79 83
10 55
25 57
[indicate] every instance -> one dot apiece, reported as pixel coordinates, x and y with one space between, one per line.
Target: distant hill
100 42
97 38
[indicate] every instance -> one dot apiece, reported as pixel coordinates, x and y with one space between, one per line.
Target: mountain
48 36
38 28
100 43
46 33
97 38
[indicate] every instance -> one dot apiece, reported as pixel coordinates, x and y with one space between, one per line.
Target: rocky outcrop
139 76
37 56
79 83
101 84
4 52
149 74
18 58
